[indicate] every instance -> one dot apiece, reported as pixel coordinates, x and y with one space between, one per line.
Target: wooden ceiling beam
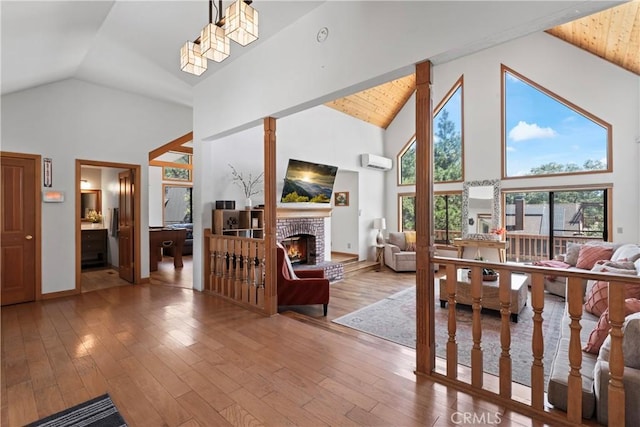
171 146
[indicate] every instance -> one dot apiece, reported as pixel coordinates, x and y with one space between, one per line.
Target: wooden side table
380 256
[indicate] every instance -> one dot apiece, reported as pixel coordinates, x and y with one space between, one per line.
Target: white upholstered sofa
397 255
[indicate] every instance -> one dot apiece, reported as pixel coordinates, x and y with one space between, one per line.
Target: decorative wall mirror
481 211
90 200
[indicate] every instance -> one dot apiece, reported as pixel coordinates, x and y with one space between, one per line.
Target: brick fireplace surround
294 221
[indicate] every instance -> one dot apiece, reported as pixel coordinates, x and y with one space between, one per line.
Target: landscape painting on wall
308 182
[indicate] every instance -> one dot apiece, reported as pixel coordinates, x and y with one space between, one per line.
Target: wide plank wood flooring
170 356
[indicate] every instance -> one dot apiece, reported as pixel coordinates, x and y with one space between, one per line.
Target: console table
500 245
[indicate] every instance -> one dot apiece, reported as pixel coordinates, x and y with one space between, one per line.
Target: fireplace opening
300 248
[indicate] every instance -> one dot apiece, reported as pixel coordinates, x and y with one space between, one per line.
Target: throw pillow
600 332
627 252
573 250
617 265
588 256
630 342
398 240
410 237
597 298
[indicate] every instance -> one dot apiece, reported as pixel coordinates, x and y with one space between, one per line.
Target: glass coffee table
490 292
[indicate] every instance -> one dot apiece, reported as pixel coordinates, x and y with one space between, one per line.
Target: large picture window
545 134
447 143
540 224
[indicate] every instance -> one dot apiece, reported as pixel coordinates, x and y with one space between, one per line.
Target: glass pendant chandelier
214 44
240 25
191 59
242 22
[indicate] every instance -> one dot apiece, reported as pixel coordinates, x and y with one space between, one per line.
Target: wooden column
270 291
425 327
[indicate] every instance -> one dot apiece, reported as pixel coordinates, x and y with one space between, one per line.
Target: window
176 173
407 204
447 143
547 135
536 218
447 137
447 212
177 204
407 162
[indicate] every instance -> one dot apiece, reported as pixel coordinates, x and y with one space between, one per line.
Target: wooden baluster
212 267
237 276
259 277
245 270
228 281
477 370
616 357
537 342
504 295
574 399
452 346
217 287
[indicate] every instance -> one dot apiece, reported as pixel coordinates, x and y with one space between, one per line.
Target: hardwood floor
170 356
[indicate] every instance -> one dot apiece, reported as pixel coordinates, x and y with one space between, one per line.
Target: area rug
97 412
394 319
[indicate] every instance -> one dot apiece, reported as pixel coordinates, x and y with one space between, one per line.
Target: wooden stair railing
235 269
574 303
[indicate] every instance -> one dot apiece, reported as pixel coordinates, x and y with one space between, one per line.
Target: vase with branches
249 185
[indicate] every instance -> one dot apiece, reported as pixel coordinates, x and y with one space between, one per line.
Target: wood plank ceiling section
378 105
613 34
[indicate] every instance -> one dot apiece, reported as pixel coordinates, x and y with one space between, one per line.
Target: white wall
71 120
155 196
597 86
345 229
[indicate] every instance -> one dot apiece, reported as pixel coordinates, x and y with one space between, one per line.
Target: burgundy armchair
301 287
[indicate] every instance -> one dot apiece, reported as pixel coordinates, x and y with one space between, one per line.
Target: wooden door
126 229
18 222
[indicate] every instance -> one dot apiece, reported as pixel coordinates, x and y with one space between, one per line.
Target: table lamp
379 224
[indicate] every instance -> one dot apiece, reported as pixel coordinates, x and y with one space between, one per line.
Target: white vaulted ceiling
129 45
134 45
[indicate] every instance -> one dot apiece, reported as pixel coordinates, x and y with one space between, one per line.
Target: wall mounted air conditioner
375 162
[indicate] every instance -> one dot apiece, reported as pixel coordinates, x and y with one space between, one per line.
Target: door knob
28 237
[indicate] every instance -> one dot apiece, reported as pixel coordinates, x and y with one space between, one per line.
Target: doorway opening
108 225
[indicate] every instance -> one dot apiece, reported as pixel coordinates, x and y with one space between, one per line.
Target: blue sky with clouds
541 130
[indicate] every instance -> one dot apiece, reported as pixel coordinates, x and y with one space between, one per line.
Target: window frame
503 117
